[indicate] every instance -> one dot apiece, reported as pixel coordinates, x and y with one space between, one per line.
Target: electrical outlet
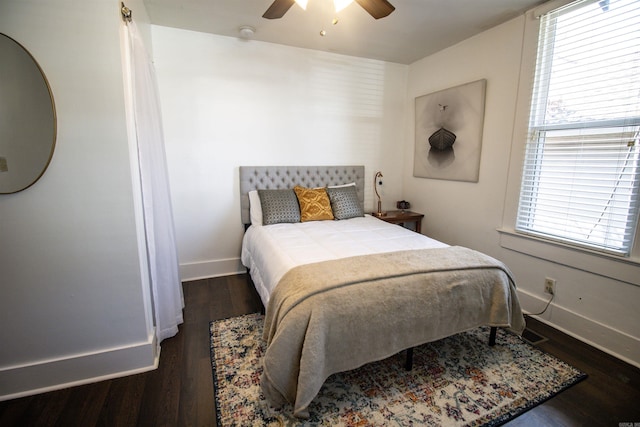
549 285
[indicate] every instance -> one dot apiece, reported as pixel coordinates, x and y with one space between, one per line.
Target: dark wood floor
180 391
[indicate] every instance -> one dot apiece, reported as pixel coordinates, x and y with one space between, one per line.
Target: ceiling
416 29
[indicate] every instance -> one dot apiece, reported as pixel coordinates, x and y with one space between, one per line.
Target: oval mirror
27 118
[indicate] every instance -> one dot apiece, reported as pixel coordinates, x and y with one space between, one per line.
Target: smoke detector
246 32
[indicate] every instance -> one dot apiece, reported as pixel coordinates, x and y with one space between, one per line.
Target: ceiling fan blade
278 8
377 8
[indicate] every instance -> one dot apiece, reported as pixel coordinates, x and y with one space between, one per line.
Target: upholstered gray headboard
275 177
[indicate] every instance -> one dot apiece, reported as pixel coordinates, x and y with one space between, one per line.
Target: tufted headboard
275 177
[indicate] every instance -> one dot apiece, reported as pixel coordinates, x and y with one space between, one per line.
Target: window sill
618 268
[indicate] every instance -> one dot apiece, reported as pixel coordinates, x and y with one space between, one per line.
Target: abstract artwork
449 133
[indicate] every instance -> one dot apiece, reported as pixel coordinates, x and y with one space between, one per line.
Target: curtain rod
126 13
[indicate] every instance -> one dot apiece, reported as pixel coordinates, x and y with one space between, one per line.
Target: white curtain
166 289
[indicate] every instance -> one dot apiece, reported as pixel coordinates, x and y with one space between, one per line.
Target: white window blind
581 174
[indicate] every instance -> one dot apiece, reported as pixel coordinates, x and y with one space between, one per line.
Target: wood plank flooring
180 391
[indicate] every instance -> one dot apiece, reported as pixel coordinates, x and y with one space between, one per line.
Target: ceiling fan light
341 4
302 4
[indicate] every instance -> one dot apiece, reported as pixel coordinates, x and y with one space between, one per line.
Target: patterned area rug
456 381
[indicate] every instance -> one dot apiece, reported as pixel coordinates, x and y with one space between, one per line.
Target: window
581 175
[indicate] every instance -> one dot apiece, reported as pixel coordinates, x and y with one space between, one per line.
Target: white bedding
270 251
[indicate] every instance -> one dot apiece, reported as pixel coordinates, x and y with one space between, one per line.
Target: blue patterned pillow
344 202
279 206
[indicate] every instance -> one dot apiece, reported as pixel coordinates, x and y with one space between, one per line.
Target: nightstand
402 217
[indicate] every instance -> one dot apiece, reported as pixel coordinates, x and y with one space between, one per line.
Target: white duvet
270 251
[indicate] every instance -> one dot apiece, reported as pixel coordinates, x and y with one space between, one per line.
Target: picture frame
448 133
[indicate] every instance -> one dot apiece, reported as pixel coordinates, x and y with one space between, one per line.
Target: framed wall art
448 134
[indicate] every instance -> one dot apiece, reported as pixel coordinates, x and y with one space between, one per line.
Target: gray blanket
335 316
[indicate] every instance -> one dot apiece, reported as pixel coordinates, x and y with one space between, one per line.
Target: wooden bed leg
492 336
408 365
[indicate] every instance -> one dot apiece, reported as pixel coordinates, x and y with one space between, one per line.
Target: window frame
609 265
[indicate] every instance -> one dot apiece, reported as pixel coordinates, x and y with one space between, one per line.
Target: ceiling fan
376 8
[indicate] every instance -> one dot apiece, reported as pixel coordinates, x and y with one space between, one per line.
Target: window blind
581 174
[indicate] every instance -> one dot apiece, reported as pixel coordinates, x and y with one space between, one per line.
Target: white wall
228 102
72 304
597 309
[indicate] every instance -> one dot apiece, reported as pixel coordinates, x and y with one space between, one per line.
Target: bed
342 288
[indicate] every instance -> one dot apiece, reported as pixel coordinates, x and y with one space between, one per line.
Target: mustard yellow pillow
314 204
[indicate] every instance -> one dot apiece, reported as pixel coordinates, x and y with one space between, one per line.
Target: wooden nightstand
402 217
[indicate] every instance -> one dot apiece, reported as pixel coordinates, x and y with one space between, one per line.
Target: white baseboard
78 369
617 343
214 268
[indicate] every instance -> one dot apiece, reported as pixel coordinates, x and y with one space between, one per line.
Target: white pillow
343 185
255 208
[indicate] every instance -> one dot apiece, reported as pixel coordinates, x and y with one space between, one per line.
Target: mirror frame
51 144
